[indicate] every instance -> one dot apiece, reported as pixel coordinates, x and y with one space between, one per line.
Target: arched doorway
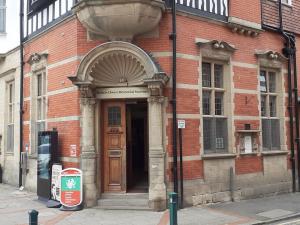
110 77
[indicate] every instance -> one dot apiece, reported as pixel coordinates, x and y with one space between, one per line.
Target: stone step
129 201
124 196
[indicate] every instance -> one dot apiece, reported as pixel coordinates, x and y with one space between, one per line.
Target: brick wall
67 42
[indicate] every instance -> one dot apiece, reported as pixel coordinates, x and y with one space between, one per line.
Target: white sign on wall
123 92
73 150
248 143
181 124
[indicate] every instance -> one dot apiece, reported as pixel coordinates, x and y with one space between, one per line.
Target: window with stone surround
2 16
215 127
38 107
10 116
270 120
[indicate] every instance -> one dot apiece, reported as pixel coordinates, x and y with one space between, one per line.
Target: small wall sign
181 124
73 150
71 187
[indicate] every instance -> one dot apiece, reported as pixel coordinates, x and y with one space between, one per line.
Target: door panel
114 146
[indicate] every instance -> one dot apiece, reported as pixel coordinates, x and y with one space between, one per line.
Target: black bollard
33 217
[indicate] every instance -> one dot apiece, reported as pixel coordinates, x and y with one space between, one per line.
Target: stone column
157 186
88 153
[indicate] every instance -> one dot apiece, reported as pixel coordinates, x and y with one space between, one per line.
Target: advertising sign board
71 187
55 182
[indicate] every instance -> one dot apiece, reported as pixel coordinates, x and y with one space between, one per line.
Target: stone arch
115 64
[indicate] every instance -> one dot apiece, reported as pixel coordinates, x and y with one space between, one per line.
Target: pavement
280 209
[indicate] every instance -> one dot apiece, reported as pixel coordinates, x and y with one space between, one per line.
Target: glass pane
218 69
263 81
10 114
43 84
114 116
2 20
275 134
39 109
206 103
207 135
10 138
272 103
39 85
11 93
219 103
221 135
206 74
263 105
2 2
272 82
266 134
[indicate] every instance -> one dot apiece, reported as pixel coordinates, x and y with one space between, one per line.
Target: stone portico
123 65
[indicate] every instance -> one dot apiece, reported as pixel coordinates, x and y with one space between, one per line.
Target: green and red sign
71 187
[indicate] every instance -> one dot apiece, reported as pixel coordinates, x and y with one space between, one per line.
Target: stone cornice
270 55
244 27
215 44
37 57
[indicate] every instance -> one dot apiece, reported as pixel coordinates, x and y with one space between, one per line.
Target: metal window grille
206 102
215 135
218 74
263 105
114 116
271 134
272 106
219 103
206 74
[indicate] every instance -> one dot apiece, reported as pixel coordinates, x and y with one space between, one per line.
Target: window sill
270 153
219 156
248 153
32 156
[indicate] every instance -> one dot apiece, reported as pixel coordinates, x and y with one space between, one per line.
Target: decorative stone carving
271 58
215 49
118 64
215 44
36 57
119 19
271 55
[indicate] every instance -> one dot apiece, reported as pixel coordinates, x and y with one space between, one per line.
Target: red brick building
100 72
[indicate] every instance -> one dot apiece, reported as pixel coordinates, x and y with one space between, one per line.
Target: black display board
37 5
47 155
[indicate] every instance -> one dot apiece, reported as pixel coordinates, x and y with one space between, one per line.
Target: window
10 116
2 16
286 2
270 120
40 103
214 120
114 116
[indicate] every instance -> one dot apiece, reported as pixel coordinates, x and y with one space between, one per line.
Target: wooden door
114 128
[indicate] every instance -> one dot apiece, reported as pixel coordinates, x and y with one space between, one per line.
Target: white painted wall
11 38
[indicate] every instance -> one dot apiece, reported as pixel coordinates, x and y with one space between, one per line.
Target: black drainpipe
173 101
21 86
296 106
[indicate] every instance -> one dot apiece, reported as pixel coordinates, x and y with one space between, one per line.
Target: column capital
156 99
86 91
88 101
